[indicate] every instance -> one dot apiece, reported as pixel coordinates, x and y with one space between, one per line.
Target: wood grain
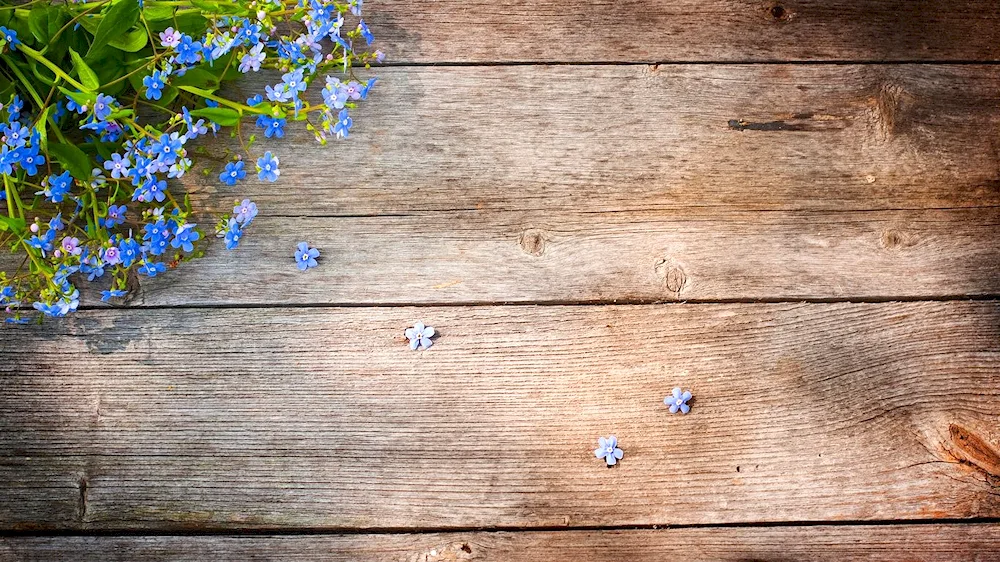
584 139
323 418
696 30
888 543
488 257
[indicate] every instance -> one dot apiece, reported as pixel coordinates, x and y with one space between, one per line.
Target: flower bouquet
100 100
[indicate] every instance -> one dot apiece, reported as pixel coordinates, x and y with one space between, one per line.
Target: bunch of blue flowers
102 100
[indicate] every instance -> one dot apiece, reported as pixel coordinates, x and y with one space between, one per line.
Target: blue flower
267 167
367 88
257 99
58 187
151 268
234 172
305 257
608 450
356 6
115 216
168 147
185 237
93 268
365 32
118 166
245 212
253 59
278 93
10 36
31 160
273 126
188 50
343 125
112 294
234 231
294 81
129 250
678 401
419 336
154 85
15 133
103 106
14 108
57 223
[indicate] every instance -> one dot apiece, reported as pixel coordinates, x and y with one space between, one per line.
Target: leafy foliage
102 98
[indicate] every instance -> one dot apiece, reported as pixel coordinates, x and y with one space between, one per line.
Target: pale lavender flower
608 450
678 401
420 336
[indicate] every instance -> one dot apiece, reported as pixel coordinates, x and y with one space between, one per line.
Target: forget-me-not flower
420 336
678 401
305 257
608 450
268 167
234 172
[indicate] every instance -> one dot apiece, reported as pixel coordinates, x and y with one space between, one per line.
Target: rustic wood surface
884 543
484 257
323 418
584 139
488 31
545 153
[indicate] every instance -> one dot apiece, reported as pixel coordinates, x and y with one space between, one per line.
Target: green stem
38 57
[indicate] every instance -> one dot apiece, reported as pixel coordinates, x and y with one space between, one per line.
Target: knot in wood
673 275
532 241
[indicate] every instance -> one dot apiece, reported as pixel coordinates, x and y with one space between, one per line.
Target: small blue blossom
245 212
115 216
129 250
112 294
678 401
273 126
103 106
267 167
608 450
154 85
419 336
234 172
189 51
118 166
365 32
233 233
58 187
185 237
305 257
31 160
151 269
253 59
10 36
356 6
343 125
256 99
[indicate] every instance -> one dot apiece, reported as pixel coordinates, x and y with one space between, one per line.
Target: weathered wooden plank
695 30
626 138
888 543
476 257
323 418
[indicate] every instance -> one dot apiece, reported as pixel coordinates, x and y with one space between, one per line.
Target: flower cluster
103 103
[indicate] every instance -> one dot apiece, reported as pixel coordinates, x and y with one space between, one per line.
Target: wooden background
792 208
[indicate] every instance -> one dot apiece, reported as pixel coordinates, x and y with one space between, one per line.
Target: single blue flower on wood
267 166
234 172
420 336
608 450
305 257
678 401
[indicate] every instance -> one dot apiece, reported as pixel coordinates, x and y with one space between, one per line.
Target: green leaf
81 98
72 159
87 76
13 224
131 42
120 17
42 130
221 115
198 77
38 23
